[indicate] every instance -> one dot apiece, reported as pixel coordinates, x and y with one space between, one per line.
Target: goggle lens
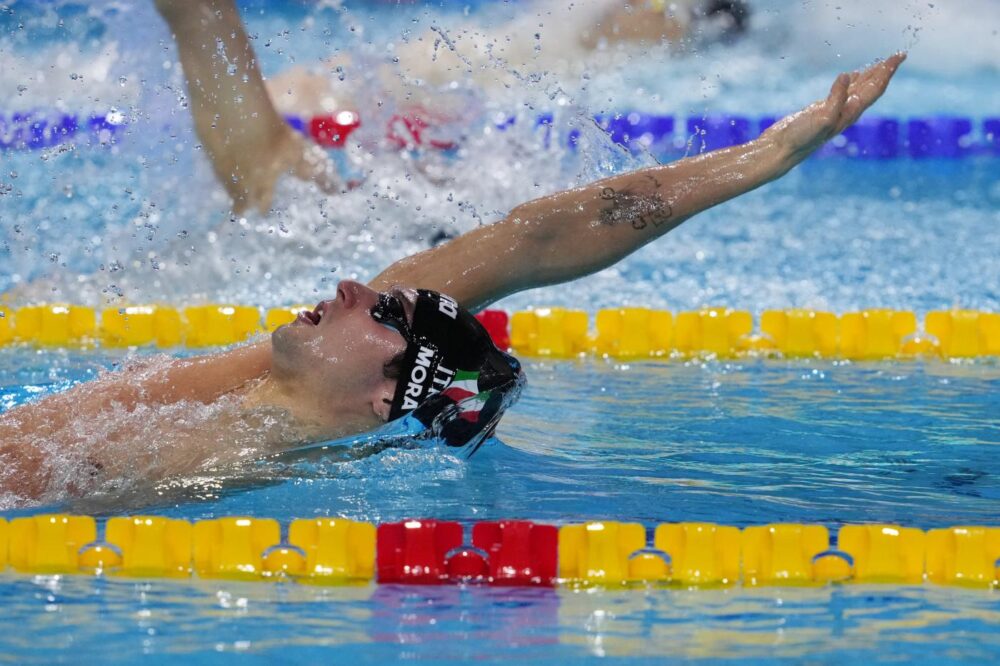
389 311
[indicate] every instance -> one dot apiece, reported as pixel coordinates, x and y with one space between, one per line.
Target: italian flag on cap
464 390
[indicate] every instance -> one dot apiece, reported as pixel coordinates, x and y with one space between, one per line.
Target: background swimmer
547 40
247 404
236 112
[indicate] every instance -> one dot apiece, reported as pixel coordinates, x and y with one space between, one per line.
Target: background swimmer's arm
574 233
633 22
247 141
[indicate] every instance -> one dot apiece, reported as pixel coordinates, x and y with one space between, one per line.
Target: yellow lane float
628 333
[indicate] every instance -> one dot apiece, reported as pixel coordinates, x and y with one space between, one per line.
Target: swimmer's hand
802 133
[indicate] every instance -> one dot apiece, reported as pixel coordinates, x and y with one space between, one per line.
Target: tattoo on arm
640 209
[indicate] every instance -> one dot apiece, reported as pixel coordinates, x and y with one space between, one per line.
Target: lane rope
620 333
337 551
665 136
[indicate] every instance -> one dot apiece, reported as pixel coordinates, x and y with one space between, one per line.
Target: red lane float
496 324
521 553
416 551
333 130
503 553
407 131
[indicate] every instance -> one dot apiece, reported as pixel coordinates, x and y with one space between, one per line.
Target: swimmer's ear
382 399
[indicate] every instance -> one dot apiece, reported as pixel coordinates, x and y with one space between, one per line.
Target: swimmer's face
338 357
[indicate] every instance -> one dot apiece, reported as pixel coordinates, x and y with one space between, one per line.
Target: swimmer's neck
297 403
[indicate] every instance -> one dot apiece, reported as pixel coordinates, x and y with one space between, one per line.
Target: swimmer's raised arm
246 139
577 232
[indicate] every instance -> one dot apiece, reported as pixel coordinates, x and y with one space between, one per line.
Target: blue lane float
991 133
941 136
639 132
715 131
37 130
869 138
664 136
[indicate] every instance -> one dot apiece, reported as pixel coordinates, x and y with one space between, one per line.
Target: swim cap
454 380
723 20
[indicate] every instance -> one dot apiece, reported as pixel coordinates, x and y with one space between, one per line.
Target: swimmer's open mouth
314 316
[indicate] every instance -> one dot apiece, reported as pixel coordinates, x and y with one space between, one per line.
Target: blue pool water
746 442
737 443
211 622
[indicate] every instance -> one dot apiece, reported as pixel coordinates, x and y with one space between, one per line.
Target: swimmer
395 347
677 23
236 111
548 37
432 73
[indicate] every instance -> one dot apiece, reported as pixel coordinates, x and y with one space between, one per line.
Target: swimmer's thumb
838 91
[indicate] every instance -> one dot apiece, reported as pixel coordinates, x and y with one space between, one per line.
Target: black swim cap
454 380
730 16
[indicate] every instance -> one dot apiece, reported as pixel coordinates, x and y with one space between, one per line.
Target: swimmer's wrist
775 155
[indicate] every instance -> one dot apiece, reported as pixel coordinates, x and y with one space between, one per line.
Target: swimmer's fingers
867 87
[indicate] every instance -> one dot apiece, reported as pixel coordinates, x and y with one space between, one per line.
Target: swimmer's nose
351 293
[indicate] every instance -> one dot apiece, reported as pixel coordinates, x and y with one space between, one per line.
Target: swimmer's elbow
533 242
550 247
